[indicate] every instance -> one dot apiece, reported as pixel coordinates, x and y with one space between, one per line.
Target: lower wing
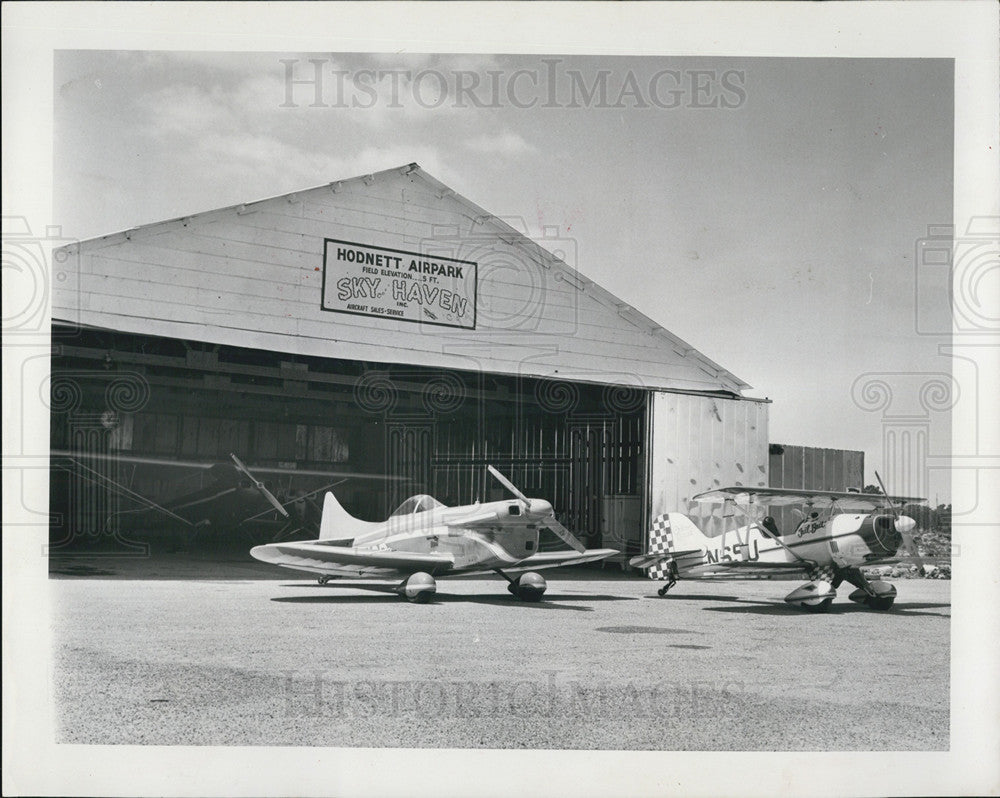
547 559
742 569
321 558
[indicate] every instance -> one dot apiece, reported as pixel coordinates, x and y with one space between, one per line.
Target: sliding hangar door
381 432
385 336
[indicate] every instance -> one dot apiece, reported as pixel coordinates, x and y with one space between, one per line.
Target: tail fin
672 537
338 524
675 533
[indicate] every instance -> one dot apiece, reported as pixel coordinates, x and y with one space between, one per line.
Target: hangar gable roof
267 274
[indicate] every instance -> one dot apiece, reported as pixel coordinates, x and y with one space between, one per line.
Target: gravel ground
602 663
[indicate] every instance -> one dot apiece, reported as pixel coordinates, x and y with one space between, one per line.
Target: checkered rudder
661 539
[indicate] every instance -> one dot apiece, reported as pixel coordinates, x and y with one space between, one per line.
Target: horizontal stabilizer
649 560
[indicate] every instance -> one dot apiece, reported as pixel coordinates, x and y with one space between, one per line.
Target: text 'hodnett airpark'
393 284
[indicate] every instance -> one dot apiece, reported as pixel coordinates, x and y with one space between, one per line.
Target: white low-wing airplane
423 538
829 546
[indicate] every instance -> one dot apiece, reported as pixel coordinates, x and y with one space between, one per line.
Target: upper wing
548 559
174 462
779 497
321 557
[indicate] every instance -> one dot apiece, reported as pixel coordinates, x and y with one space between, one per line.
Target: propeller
307 497
904 526
549 522
259 485
564 534
510 486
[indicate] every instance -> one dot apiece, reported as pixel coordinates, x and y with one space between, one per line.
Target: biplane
424 540
835 536
192 496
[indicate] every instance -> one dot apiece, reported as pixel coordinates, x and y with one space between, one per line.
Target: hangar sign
391 283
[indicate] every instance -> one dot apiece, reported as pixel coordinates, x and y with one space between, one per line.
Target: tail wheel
671 581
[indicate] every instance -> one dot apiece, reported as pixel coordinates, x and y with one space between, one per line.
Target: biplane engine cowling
882 533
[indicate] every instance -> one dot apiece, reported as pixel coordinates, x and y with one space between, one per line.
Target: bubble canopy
420 503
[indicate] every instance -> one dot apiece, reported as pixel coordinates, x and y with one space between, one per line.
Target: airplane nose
540 507
905 524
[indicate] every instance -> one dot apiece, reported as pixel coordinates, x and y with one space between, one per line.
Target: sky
767 211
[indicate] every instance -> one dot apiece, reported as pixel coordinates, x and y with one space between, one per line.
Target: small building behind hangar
382 326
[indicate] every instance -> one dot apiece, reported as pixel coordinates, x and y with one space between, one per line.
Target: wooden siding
700 443
252 276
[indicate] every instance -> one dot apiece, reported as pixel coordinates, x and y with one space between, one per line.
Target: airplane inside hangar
383 336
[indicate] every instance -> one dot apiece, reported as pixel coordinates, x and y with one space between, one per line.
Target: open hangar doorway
132 413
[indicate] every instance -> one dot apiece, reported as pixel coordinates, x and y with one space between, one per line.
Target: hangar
390 330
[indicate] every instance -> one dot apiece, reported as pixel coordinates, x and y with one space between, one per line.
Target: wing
780 497
547 559
173 462
738 569
323 558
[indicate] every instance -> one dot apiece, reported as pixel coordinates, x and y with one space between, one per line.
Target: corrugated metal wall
815 469
699 443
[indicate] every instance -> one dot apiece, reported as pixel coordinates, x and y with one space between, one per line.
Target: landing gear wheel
323 580
876 595
663 590
523 595
418 588
880 602
822 606
528 587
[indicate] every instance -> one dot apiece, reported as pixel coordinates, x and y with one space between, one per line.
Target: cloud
184 109
505 143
